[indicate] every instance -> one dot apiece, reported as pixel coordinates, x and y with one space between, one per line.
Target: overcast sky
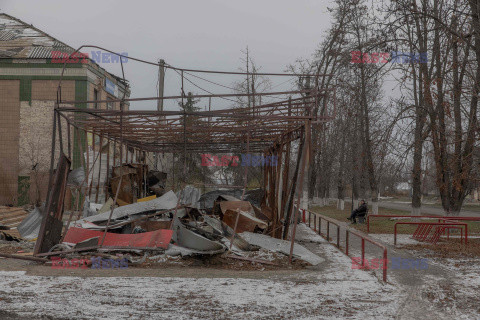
206 34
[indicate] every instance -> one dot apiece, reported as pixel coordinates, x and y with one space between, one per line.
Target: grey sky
207 34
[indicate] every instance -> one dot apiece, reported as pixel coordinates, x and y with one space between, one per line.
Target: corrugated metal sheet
154 239
21 40
11 216
6 35
40 52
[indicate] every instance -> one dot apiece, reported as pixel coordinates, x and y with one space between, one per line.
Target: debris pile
166 228
10 219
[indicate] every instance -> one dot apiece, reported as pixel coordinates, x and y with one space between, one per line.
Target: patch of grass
449 249
376 225
383 225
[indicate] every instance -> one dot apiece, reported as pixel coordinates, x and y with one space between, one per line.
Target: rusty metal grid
223 130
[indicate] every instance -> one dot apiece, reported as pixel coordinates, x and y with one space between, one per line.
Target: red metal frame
381 246
347 237
440 218
424 229
320 217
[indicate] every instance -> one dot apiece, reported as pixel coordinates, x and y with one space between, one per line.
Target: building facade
29 77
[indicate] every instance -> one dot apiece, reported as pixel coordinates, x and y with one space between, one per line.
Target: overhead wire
197 86
227 87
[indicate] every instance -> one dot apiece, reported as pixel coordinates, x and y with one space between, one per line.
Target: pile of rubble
171 228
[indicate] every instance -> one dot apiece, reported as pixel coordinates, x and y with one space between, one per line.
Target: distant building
28 90
403 188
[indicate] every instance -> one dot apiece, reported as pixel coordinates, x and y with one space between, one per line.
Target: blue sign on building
111 88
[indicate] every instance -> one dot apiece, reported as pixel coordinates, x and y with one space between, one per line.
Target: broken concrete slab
283 246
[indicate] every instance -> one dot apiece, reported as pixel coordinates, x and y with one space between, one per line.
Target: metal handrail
329 221
349 231
364 238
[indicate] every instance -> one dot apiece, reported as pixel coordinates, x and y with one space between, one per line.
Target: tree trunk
340 176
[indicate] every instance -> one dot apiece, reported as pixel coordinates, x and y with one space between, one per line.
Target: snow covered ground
191 298
330 290
402 239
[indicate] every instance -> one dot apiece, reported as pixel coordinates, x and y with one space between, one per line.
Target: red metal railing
381 246
440 218
349 231
424 229
328 221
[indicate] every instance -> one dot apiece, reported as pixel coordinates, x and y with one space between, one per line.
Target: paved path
434 281
425 209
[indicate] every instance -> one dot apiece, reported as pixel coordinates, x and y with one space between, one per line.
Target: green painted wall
81 93
23 190
26 89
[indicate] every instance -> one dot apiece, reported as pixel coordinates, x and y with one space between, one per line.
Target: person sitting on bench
361 211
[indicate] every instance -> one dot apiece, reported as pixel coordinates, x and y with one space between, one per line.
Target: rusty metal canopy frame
203 131
223 130
267 128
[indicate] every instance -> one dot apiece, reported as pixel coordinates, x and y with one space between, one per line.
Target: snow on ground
189 298
402 239
339 266
465 280
330 290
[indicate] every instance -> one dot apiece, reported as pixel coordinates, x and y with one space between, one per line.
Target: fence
424 228
440 218
348 231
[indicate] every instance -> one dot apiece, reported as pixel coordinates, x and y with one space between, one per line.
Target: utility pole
161 85
248 81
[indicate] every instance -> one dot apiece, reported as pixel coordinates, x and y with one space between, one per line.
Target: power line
201 87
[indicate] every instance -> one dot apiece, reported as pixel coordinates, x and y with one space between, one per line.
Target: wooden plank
52 224
13 216
251 260
16 256
10 210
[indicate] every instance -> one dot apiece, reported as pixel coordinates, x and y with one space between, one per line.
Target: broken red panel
154 239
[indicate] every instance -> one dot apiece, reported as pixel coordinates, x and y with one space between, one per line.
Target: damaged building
29 79
123 207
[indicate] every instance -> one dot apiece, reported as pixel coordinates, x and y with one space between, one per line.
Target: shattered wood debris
10 219
51 228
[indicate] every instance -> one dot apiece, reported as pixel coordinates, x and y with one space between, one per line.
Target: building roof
21 40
